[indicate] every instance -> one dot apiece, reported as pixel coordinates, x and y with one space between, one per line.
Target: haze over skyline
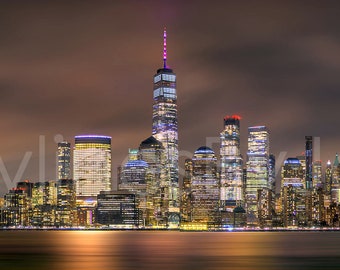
87 68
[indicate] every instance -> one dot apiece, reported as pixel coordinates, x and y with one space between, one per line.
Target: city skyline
68 73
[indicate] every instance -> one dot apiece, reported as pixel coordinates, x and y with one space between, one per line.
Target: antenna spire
164 48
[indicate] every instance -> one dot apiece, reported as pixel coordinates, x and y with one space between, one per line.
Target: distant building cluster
218 191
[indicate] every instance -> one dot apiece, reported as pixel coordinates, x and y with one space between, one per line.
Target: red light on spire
164 48
234 116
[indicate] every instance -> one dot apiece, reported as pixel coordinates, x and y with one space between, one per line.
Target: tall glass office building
133 178
293 193
157 183
257 165
164 123
231 190
309 162
204 188
335 186
92 164
64 160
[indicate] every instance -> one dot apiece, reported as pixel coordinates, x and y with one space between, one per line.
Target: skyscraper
157 189
257 165
133 178
66 203
335 188
231 164
204 188
317 174
271 173
293 193
328 178
292 173
92 164
64 160
309 162
164 122
186 191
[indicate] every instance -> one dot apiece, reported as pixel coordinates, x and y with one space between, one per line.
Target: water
104 250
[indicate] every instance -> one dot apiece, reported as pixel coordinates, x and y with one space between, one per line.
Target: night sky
86 67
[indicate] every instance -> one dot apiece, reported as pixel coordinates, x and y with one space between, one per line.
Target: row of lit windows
166 92
92 145
165 77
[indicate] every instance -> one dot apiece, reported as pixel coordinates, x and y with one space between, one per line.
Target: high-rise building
133 178
186 191
309 162
64 161
44 203
66 203
157 190
335 188
231 190
204 188
257 168
328 178
292 173
271 173
164 123
92 165
293 193
317 174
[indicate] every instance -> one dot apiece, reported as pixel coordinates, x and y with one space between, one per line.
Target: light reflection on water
91 250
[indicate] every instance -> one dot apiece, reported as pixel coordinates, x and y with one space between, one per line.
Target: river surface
163 250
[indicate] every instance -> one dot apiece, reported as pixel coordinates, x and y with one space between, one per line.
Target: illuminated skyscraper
231 164
186 191
66 203
328 178
64 160
204 188
164 123
317 174
92 164
309 162
335 189
133 178
292 173
257 165
153 153
271 172
293 193
44 203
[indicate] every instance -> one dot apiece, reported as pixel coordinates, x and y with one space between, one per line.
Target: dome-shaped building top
204 150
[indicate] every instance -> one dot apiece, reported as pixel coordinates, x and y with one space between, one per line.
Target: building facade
133 178
164 123
116 208
157 182
257 168
309 162
204 189
92 164
293 193
335 187
231 190
66 203
64 161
